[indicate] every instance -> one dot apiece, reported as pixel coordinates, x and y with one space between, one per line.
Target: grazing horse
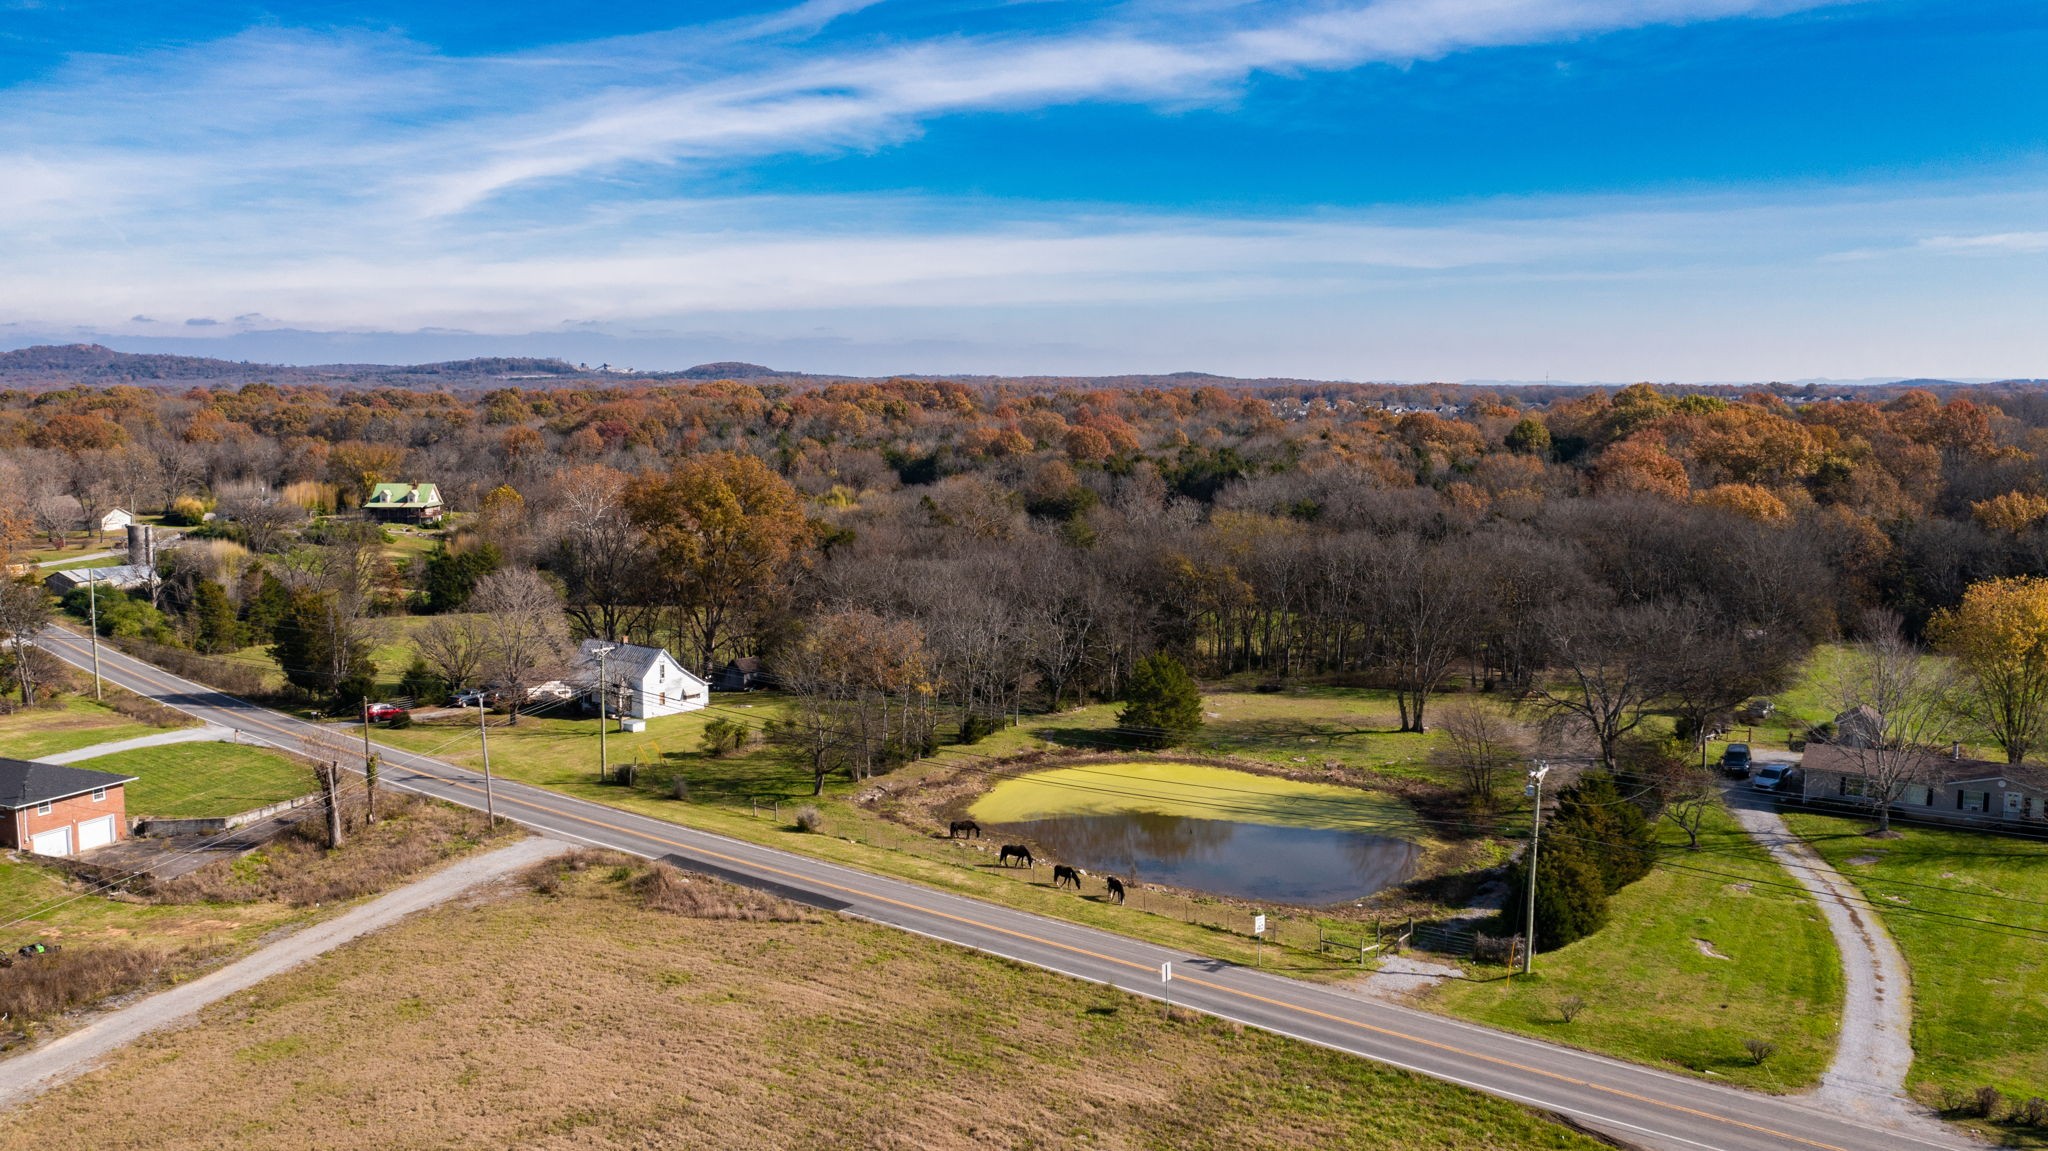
961 827
1015 851
1116 888
1061 873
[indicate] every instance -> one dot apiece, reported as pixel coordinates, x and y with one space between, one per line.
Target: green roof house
404 504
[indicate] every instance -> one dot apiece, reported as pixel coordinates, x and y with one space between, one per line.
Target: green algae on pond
1197 791
1210 829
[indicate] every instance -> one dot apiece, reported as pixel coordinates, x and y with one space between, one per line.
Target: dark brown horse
960 827
1015 851
1062 874
1116 888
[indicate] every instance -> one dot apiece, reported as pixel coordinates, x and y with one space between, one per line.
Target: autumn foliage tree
726 535
1998 637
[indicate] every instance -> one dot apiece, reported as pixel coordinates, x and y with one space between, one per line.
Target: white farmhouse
643 682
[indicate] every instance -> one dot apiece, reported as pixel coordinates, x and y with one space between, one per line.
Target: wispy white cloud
1997 243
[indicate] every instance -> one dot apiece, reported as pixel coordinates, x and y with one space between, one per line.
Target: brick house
54 810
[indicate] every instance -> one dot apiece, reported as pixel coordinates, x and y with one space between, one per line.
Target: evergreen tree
450 578
263 607
1611 829
1163 706
320 652
215 627
1571 903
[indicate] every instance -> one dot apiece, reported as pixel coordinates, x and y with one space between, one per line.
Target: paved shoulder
35 1071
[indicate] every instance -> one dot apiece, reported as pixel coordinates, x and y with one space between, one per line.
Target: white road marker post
1166 978
1259 934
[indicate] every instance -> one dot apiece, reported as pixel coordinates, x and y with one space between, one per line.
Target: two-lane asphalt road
1636 1105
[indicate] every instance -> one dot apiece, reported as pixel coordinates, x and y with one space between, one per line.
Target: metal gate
1444 939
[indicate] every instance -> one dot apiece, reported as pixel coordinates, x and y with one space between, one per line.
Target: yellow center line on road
812 881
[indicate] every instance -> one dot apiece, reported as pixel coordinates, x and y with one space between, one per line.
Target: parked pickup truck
1779 779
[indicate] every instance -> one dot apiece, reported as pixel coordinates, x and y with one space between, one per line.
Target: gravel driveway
1875 1050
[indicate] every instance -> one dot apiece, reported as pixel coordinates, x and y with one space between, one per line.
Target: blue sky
1376 189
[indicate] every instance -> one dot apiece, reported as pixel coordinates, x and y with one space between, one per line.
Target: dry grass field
609 1008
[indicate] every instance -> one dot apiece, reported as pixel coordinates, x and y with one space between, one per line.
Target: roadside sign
1258 925
1166 973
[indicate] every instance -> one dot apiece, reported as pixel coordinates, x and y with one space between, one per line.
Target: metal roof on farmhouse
624 662
27 781
404 496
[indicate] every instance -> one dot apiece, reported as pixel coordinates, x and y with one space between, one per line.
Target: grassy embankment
657 1028
183 780
1652 991
1980 993
79 722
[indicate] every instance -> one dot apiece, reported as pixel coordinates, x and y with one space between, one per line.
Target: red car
379 712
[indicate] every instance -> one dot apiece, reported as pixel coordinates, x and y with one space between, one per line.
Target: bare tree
24 611
527 638
456 647
1482 745
267 522
600 554
1611 665
1432 608
1906 700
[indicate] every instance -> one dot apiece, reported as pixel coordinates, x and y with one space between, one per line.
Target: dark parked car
1735 760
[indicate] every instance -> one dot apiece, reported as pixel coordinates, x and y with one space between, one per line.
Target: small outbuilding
404 504
116 520
119 578
743 674
51 809
642 682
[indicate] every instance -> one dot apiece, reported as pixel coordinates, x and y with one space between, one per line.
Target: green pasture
191 780
1970 912
1712 948
79 722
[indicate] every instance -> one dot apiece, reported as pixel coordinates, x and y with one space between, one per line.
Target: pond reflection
1300 865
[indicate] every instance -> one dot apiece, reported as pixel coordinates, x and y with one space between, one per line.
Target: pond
1210 829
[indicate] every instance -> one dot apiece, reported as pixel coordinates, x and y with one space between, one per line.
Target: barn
54 810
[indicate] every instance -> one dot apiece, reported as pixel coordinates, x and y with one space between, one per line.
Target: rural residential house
1948 786
55 810
404 504
642 682
116 520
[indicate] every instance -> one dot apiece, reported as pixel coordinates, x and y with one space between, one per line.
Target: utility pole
1535 791
369 765
483 735
604 703
92 596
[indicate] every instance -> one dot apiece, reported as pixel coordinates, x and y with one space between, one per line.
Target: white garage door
96 833
56 842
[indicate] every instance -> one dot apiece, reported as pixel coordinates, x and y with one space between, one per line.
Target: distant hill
91 363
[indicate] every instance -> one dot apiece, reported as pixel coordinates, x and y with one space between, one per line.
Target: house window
1915 793
1972 800
42 809
99 795
1853 785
